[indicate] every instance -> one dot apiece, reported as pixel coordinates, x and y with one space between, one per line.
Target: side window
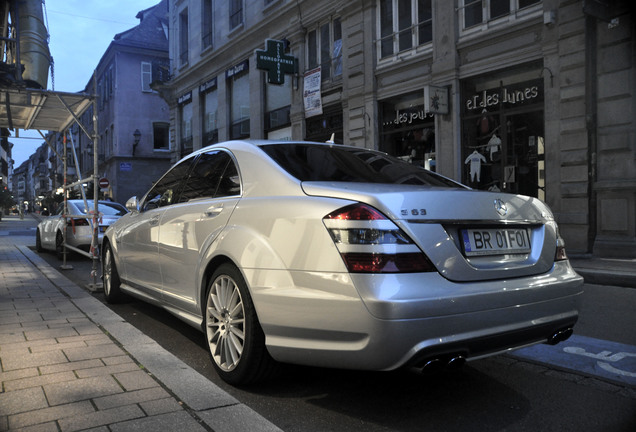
166 191
205 176
230 183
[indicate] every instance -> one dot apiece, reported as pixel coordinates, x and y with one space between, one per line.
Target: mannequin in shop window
485 123
475 160
493 146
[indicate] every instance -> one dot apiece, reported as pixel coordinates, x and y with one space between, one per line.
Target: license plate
489 241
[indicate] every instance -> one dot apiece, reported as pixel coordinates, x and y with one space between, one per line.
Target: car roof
262 142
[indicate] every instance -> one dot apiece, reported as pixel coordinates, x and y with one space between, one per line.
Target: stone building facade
523 96
132 119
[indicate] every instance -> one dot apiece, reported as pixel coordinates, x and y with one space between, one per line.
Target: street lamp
137 137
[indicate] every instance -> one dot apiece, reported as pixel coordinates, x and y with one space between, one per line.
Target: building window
240 106
325 49
236 13
206 23
186 128
146 76
183 37
474 13
210 117
404 24
161 136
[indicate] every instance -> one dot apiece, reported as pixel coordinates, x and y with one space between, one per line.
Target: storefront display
502 132
407 131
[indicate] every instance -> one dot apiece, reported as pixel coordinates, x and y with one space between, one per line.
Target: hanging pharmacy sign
274 60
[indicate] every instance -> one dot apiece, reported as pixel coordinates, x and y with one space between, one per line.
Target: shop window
277 105
324 49
240 106
503 146
186 128
210 117
477 13
183 37
161 136
236 13
206 23
326 126
404 25
407 131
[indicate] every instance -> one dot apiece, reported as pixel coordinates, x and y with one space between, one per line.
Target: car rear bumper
330 320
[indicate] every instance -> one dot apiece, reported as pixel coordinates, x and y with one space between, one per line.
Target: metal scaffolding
43 110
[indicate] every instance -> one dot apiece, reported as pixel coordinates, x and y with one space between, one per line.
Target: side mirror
132 204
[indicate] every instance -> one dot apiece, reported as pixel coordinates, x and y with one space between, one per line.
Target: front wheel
235 338
38 241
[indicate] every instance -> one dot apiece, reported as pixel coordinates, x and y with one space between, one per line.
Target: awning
24 108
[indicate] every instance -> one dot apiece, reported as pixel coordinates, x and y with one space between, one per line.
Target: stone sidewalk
69 363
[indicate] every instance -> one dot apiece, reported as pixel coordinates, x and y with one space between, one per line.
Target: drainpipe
591 110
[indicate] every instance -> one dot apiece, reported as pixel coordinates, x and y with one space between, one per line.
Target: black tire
112 283
235 339
59 247
38 241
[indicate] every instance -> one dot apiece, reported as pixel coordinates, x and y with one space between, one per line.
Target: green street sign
274 60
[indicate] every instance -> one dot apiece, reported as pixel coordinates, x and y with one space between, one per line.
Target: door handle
213 211
154 220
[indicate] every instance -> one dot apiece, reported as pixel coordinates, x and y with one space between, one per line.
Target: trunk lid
468 235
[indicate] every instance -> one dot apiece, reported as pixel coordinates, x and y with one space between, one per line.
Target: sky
80 32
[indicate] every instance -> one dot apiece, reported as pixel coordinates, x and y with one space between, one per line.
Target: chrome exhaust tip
456 363
560 336
433 366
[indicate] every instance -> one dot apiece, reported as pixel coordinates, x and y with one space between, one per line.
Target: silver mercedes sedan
344 257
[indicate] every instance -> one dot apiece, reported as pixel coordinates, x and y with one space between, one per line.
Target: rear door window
168 188
214 175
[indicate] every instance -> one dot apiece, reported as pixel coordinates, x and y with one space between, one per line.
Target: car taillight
369 242
77 222
560 254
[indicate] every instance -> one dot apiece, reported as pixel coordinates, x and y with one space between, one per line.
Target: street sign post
104 183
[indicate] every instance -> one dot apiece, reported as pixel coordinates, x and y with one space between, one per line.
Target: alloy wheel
107 271
225 323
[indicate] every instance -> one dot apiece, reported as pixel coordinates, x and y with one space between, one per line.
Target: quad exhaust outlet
451 363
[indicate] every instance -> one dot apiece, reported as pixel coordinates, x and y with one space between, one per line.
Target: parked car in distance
343 257
79 234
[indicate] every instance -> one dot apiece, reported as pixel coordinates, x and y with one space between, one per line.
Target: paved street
585 383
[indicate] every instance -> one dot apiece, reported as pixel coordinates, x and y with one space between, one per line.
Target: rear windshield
334 163
106 208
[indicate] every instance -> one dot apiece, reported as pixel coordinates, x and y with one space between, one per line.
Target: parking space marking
607 360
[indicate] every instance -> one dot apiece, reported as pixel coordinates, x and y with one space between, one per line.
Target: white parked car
49 234
337 256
